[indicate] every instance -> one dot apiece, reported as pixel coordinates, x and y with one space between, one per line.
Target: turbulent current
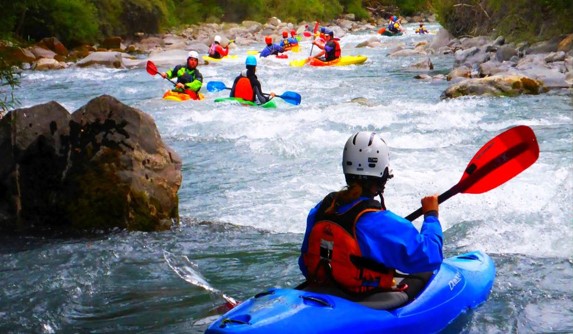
250 176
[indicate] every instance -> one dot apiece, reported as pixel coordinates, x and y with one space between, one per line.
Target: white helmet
365 155
217 39
193 54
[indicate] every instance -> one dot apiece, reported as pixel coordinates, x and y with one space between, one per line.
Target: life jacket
214 51
394 27
286 44
244 90
184 75
333 53
334 254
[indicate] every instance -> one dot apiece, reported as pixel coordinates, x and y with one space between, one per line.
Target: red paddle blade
316 25
499 160
151 68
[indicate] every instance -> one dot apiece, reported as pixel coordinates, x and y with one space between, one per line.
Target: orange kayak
177 96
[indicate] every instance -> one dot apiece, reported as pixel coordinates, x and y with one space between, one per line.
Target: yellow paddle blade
298 62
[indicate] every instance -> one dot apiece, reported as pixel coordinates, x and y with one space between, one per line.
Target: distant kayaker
286 43
189 79
330 50
421 29
271 48
353 243
247 86
295 36
394 25
216 50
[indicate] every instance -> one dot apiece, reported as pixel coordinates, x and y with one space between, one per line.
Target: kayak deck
269 104
180 97
342 61
462 282
228 57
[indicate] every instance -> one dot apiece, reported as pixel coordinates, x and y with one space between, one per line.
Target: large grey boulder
104 166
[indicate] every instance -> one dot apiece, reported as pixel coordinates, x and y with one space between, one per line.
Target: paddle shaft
313 38
290 97
478 175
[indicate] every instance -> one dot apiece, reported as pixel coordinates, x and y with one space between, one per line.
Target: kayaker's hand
272 95
429 204
163 75
180 85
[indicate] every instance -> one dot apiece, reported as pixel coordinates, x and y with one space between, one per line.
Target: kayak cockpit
384 300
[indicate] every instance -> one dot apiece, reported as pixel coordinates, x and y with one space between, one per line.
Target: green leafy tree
8 81
355 7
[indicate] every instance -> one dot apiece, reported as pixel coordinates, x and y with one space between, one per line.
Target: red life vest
334 254
335 52
244 90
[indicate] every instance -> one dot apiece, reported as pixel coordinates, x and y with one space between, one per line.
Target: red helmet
293 33
285 34
268 40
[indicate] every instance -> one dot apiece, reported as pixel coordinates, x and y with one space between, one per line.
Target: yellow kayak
208 59
342 61
179 97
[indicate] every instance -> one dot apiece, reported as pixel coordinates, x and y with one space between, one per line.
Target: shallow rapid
250 176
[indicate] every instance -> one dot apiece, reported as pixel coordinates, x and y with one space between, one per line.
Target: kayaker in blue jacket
247 86
189 79
271 48
352 242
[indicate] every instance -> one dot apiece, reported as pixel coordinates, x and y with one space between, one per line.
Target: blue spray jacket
391 240
273 49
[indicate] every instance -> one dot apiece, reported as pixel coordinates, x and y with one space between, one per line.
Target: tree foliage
520 20
8 81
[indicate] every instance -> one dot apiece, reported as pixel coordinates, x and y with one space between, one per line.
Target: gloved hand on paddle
180 85
430 205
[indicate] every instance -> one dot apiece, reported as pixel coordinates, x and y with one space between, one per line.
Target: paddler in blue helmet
354 244
247 86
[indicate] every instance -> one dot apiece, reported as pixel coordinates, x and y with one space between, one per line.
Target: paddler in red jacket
216 50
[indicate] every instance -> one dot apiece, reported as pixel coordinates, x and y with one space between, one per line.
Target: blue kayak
462 283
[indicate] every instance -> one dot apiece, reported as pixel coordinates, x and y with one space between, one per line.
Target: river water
251 175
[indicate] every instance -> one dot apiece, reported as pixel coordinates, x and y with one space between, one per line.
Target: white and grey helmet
365 156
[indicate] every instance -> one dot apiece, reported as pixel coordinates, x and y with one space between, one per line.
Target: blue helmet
251 61
394 18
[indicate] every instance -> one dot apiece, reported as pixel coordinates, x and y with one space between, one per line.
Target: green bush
73 21
8 81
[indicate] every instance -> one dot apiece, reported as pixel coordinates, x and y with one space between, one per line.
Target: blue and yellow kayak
462 283
270 104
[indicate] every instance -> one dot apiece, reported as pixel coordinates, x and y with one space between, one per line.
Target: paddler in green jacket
189 79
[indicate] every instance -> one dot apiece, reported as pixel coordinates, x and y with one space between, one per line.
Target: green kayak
269 104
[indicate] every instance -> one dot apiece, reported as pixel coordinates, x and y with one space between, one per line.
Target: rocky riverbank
481 65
